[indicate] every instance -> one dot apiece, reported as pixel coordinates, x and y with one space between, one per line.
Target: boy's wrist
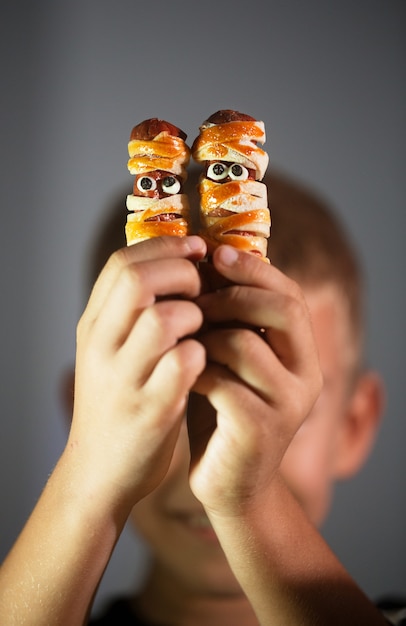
250 507
91 493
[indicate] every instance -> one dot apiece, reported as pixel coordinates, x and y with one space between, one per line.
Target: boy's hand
135 366
261 384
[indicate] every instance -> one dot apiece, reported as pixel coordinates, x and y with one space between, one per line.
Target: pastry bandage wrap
164 152
156 217
234 142
142 223
234 212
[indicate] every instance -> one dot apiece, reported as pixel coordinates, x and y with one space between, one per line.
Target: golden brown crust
151 217
158 152
236 196
233 142
164 152
240 230
136 232
233 212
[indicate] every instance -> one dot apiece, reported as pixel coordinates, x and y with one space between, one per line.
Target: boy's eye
146 183
238 172
170 184
217 171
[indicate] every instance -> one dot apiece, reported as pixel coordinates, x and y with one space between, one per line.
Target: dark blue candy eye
146 183
238 172
171 185
217 171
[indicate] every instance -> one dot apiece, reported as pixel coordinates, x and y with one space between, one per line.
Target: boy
232 523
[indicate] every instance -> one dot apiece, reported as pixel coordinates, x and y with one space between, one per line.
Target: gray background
327 77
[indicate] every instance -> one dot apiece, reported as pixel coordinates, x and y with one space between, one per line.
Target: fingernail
228 255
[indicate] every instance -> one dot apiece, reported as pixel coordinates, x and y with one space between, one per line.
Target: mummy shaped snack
158 159
233 203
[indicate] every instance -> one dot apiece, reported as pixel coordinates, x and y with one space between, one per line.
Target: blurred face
173 521
174 524
310 463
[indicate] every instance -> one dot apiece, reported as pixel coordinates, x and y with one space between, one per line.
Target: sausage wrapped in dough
233 203
158 159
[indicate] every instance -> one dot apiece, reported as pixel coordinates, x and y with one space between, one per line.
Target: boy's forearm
287 571
52 572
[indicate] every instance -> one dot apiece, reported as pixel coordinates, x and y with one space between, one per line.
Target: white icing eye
238 172
146 183
217 171
170 184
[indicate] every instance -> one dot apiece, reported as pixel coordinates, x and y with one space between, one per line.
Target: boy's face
310 465
173 521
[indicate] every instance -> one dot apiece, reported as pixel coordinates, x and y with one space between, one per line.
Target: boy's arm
262 386
286 569
131 342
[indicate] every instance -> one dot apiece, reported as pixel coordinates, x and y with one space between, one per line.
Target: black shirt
119 613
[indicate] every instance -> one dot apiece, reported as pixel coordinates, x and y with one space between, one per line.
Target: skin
123 444
189 566
311 464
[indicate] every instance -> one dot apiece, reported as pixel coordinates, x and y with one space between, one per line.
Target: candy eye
238 172
171 185
146 183
217 171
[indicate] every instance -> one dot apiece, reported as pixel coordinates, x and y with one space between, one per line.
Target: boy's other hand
261 381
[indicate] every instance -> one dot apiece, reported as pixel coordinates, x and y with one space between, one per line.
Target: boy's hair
308 242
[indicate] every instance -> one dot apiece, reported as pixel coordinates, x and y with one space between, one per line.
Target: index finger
263 297
192 248
243 268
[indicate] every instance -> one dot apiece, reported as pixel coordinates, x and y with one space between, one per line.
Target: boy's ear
360 425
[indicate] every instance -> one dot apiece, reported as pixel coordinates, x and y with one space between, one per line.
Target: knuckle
84 326
295 307
246 342
134 279
295 297
120 258
171 319
188 361
234 295
306 397
159 320
297 406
